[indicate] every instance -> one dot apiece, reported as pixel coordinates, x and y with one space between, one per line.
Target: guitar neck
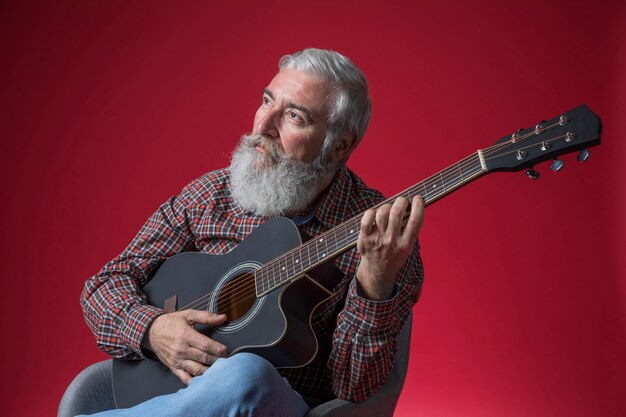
344 236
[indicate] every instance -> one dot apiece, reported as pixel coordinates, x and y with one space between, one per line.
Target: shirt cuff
136 324
371 315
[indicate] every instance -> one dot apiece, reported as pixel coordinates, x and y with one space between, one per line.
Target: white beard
274 184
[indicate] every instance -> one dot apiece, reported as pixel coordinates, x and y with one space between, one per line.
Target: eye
292 115
266 100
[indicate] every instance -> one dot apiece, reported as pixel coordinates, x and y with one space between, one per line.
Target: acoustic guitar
267 285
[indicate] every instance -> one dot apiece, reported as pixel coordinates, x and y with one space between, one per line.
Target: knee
246 385
250 369
254 363
251 379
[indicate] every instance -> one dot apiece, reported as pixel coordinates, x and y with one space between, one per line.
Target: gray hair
352 107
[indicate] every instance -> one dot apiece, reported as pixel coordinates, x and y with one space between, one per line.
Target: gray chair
91 390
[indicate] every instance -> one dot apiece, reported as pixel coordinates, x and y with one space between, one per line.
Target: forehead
302 89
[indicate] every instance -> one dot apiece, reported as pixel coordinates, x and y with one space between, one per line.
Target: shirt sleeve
364 342
115 308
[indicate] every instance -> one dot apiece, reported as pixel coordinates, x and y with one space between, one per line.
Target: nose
267 122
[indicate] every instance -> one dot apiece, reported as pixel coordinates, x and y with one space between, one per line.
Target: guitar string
247 279
245 291
272 265
268 266
245 288
529 134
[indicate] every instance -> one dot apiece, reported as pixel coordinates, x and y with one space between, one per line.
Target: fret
433 185
296 258
260 281
333 241
352 230
346 236
282 274
275 273
298 264
321 248
307 259
443 182
278 271
289 266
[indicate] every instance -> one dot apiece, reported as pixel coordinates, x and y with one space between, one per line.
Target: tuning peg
539 128
557 165
545 145
583 155
532 174
515 136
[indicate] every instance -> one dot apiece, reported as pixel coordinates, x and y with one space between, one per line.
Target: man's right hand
187 352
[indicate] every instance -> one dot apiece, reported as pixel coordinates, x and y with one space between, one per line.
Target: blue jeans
242 385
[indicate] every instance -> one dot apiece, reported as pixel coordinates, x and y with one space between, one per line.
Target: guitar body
275 326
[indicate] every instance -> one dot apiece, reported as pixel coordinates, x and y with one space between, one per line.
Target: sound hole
237 297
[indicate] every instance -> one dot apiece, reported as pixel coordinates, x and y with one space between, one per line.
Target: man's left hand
385 245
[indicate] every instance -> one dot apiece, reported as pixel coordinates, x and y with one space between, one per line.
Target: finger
367 222
202 356
396 215
193 368
204 317
416 219
382 217
183 375
205 344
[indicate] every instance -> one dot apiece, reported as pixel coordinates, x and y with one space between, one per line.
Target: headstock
574 130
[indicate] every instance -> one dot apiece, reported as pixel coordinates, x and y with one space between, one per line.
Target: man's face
294 114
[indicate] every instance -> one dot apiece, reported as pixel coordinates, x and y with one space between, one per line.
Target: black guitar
266 286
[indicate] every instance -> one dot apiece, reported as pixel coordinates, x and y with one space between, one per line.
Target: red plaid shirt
357 336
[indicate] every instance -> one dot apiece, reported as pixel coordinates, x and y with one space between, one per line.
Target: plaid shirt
357 336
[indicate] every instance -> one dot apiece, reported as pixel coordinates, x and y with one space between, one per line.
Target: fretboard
344 236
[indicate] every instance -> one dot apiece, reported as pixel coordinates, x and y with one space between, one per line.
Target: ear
344 147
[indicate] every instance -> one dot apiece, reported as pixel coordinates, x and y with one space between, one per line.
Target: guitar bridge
170 304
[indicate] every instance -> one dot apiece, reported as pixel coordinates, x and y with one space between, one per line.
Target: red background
109 108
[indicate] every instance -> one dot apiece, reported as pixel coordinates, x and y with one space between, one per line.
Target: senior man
312 116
